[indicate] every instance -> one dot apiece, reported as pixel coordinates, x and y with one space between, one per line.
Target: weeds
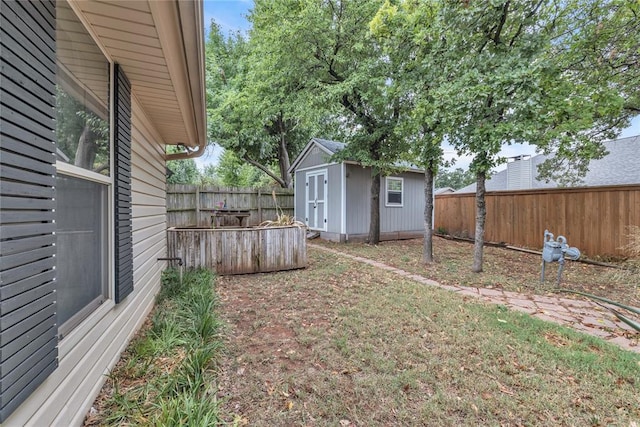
632 248
165 376
282 219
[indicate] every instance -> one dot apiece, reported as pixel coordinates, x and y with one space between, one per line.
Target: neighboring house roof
160 46
333 147
619 167
444 190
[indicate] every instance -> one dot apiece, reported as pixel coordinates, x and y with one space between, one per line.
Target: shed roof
333 147
619 167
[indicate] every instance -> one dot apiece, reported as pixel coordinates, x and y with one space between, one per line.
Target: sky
231 15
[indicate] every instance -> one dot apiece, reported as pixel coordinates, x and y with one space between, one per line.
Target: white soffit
146 39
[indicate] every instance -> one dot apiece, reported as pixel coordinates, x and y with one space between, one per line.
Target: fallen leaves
504 389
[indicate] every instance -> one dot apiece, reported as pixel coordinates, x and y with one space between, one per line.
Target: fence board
593 219
190 205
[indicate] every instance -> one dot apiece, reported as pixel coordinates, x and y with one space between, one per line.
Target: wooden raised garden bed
240 250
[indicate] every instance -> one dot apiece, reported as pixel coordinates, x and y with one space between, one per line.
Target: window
83 182
394 191
82 96
82 251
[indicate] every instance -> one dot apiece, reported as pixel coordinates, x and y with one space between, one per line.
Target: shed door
316 206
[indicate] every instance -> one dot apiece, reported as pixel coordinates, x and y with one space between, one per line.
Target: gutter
187 72
189 154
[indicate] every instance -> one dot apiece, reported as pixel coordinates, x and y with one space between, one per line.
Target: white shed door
316 206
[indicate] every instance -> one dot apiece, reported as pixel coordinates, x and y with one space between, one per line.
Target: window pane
82 98
81 231
394 184
394 191
320 179
394 198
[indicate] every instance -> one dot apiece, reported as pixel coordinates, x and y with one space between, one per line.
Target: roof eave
181 33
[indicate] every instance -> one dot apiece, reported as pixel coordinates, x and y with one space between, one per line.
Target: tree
408 49
600 53
254 111
183 172
455 179
506 79
232 171
328 49
209 176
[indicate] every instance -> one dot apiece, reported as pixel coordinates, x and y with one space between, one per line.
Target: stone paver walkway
584 316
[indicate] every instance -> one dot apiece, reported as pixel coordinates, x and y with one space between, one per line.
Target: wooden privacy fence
593 219
191 205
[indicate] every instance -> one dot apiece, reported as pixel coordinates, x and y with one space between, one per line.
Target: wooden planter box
239 250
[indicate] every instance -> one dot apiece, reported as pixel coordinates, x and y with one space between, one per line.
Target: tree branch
266 170
503 19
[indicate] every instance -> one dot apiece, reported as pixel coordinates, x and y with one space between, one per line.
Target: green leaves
256 107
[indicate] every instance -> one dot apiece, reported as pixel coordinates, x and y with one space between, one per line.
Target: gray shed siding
316 156
358 199
334 199
410 217
298 195
392 219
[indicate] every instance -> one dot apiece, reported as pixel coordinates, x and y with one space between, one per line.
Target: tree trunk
427 252
374 223
481 214
86 151
284 162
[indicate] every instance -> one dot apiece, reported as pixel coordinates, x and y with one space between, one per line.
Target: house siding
93 348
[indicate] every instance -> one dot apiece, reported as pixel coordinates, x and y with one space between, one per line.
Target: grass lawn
506 269
341 343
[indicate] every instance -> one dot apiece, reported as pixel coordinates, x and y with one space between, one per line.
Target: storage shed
333 197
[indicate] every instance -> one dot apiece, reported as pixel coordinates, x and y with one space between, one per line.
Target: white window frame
88 317
387 180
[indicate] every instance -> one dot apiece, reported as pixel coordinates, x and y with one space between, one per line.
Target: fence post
259 206
197 206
